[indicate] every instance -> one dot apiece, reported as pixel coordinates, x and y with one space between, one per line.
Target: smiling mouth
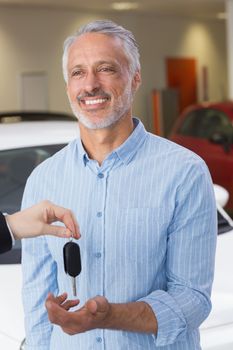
95 102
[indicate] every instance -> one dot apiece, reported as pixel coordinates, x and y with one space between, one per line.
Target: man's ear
136 82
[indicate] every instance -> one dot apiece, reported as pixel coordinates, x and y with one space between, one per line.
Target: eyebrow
106 62
98 63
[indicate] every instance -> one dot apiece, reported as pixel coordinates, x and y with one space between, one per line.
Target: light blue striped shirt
148 222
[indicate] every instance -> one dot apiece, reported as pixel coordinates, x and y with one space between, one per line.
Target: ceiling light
222 15
124 6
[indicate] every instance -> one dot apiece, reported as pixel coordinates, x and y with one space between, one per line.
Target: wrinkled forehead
100 38
97 46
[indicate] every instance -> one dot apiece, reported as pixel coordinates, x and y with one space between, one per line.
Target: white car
23 145
217 330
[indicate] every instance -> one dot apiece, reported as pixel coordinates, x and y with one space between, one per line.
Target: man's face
100 87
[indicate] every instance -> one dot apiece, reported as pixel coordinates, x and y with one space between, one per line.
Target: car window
204 123
19 116
225 223
15 167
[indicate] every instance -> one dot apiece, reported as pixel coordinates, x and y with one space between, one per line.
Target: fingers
36 220
55 312
62 301
58 300
70 303
56 213
90 316
92 306
71 223
59 231
97 304
57 308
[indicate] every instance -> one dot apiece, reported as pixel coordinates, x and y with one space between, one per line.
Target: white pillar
229 11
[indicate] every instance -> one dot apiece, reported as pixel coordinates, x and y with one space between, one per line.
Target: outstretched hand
92 315
36 221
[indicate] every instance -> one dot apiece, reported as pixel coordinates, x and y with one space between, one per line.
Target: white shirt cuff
11 233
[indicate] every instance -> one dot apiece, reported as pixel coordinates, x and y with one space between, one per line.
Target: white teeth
92 102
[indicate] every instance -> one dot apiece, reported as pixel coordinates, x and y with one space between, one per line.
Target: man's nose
91 82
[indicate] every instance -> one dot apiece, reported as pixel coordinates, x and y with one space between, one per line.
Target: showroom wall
31 40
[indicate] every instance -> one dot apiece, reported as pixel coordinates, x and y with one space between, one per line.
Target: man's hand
99 313
92 315
36 221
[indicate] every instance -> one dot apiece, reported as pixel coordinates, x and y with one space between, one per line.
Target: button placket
99 339
98 243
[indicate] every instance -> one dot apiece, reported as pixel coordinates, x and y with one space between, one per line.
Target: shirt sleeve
191 244
10 231
39 278
5 235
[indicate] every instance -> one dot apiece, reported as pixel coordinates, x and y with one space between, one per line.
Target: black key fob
72 259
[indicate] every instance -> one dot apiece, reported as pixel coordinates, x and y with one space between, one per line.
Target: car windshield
204 123
15 117
15 167
225 223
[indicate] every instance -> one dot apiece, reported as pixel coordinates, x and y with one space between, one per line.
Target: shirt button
100 175
99 214
99 340
98 255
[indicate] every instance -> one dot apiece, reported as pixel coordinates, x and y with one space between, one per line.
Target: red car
207 129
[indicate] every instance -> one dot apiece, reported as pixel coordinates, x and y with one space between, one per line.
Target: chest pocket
139 234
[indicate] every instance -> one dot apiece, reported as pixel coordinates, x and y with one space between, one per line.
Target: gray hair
109 28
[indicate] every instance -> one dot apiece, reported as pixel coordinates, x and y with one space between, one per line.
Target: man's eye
77 73
106 69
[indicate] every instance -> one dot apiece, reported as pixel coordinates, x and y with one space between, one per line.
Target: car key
72 262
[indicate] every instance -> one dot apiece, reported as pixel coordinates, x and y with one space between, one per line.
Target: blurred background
186 49
170 33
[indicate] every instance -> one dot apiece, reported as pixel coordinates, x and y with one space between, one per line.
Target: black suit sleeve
5 236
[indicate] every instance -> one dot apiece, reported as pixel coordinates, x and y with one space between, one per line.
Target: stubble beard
121 107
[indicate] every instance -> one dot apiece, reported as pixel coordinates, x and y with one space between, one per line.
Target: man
36 221
146 212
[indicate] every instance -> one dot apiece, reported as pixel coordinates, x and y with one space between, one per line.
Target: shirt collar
127 150
82 154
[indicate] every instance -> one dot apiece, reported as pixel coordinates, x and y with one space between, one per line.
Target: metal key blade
73 279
